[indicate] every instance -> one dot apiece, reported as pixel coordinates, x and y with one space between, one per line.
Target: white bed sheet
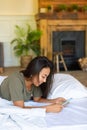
72 117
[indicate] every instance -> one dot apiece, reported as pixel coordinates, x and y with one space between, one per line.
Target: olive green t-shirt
13 88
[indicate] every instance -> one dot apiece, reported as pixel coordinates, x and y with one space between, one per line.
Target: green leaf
25 40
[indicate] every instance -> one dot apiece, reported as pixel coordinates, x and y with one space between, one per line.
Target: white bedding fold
21 119
65 85
6 107
73 116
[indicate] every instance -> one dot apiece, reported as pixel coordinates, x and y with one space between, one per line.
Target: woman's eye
43 77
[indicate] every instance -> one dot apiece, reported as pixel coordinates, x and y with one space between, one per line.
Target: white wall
10 15
7 24
18 7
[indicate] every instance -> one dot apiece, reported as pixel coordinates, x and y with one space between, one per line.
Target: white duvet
72 117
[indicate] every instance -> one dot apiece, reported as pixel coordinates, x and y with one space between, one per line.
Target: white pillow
65 85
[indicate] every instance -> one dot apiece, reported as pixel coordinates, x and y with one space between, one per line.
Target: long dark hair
34 68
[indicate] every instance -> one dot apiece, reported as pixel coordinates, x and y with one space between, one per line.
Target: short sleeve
16 89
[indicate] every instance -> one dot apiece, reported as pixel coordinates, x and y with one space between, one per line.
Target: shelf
62 15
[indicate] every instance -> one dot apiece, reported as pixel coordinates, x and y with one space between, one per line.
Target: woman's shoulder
16 74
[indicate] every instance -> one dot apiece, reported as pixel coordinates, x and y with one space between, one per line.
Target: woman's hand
59 100
54 108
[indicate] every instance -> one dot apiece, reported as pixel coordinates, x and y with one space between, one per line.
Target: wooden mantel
49 25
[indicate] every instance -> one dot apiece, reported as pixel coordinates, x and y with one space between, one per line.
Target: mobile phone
66 102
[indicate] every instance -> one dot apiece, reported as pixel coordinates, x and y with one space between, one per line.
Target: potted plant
62 7
74 7
49 8
84 8
25 42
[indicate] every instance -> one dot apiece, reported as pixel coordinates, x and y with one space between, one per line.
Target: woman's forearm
44 100
56 100
54 108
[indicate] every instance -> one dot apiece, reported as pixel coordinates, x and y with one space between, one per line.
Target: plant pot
25 60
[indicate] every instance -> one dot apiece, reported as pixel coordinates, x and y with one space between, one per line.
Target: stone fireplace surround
72 44
48 26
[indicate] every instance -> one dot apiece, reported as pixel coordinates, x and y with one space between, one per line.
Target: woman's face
44 73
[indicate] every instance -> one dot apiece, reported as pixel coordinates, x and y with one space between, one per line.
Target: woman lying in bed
33 82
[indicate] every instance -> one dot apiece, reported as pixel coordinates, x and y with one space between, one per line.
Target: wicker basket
25 60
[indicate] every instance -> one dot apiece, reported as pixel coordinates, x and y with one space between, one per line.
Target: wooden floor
80 75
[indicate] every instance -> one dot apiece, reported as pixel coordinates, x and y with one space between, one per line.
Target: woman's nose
44 80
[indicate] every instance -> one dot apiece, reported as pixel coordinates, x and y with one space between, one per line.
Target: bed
72 117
